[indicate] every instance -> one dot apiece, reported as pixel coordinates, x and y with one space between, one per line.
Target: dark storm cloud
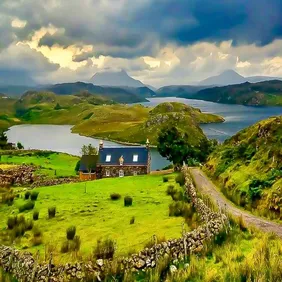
126 28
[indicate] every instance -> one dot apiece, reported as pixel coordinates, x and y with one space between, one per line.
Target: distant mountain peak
118 78
228 77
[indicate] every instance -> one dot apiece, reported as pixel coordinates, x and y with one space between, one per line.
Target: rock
100 262
140 263
172 269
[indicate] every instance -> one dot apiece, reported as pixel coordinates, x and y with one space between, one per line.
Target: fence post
184 242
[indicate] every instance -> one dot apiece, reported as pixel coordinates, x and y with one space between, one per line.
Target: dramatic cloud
158 41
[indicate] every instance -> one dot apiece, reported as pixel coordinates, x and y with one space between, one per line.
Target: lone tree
174 144
89 150
20 146
3 139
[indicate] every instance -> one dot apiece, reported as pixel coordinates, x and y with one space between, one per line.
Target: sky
160 42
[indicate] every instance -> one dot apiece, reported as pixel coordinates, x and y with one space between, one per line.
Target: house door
121 173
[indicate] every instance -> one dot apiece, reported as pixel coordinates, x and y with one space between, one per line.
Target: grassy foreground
50 164
96 216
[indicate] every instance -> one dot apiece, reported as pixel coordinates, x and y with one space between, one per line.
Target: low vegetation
94 216
49 164
248 168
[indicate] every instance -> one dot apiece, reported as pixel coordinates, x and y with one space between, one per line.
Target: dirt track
205 186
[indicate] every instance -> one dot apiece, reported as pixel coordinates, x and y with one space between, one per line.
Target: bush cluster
115 196
18 225
105 249
27 206
72 243
128 201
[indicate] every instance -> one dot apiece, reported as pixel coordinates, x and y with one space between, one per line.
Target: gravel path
204 185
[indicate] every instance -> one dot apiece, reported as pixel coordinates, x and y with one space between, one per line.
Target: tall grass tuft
128 201
52 212
105 249
71 232
34 195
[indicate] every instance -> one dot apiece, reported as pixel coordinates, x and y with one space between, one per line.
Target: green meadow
96 216
51 164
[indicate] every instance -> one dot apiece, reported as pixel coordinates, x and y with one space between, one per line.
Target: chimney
148 144
101 145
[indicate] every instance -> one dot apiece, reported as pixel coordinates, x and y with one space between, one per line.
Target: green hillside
266 93
134 124
249 170
95 116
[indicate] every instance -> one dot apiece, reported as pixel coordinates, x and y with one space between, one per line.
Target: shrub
180 179
35 215
36 231
181 209
52 212
170 190
132 220
19 230
72 245
8 198
11 222
165 179
27 206
115 196
36 241
34 195
71 232
29 224
128 201
26 195
65 247
104 249
75 244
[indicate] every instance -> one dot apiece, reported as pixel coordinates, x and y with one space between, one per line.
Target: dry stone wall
24 267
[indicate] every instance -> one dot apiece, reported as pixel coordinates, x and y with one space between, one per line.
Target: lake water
237 117
60 139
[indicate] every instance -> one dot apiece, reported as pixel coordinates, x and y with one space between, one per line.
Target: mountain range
230 77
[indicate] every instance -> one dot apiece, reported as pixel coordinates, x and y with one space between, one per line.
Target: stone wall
21 175
24 267
128 170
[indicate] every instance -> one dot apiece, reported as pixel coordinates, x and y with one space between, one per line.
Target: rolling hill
267 93
134 124
120 95
183 91
249 170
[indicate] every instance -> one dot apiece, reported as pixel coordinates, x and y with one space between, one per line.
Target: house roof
127 153
88 161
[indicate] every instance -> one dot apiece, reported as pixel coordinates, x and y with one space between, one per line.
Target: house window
135 173
121 173
108 158
135 158
108 173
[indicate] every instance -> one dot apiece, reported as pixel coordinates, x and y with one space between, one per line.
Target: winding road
205 186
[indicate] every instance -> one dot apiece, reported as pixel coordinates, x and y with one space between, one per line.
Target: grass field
95 215
51 163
